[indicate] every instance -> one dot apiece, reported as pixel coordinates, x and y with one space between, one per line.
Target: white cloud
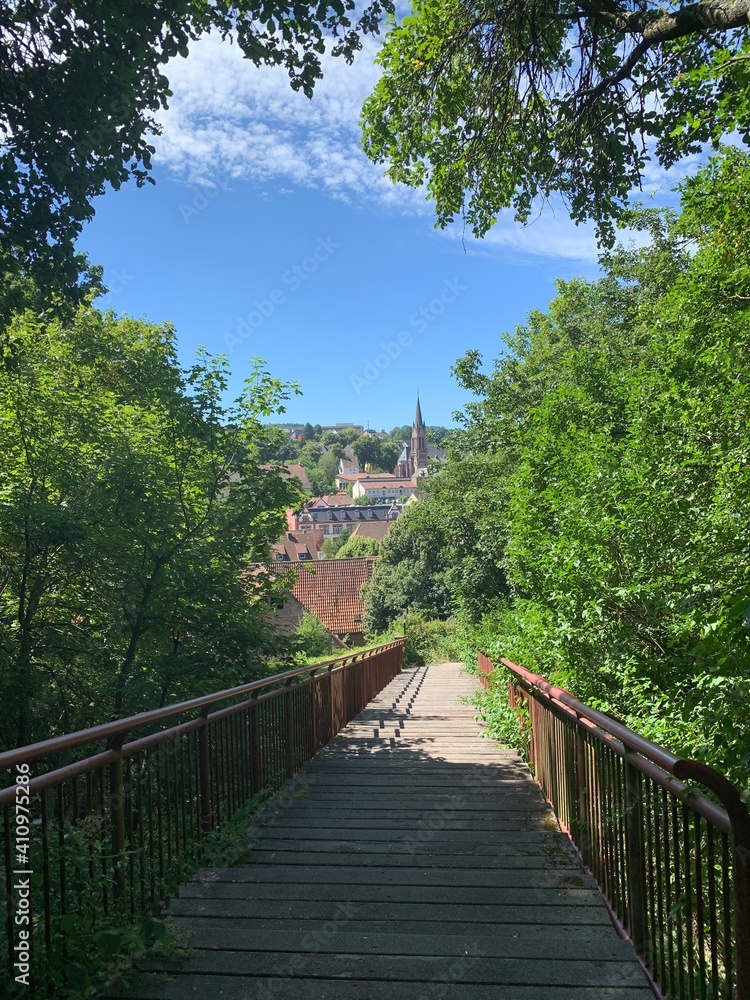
229 121
551 234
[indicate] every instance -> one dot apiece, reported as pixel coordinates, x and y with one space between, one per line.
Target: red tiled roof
330 591
383 482
352 477
301 473
293 546
337 500
372 529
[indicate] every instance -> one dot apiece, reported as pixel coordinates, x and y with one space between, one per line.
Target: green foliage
312 637
614 436
84 86
367 449
331 546
504 724
428 640
408 576
381 456
131 500
346 436
358 546
499 106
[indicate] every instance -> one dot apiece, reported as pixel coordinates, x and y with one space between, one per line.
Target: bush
313 639
428 640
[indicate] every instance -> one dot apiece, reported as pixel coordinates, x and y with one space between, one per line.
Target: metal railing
110 834
673 866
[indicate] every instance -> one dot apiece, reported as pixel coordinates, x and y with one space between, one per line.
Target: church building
413 458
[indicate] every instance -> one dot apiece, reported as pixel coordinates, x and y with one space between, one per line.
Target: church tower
418 442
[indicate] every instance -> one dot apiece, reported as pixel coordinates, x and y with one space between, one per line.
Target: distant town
358 482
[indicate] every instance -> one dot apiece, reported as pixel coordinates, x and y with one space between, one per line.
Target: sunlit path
409 859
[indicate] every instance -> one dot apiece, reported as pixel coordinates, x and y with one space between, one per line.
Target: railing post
255 769
741 876
333 702
583 832
313 714
117 809
204 772
636 862
289 728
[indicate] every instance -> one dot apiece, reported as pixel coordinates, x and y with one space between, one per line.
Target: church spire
418 450
418 422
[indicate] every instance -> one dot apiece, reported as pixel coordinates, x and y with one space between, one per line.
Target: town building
331 591
413 458
384 490
332 520
299 547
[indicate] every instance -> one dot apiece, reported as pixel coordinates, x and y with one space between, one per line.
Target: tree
332 545
400 434
615 439
328 467
346 435
313 638
501 105
308 432
358 546
309 455
438 435
132 499
82 84
367 450
389 452
409 575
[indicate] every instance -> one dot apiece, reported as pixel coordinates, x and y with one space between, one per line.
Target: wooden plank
410 859
391 913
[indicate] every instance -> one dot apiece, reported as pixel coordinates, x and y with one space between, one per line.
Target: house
342 427
380 489
330 590
337 500
372 529
301 473
335 519
348 466
345 479
298 547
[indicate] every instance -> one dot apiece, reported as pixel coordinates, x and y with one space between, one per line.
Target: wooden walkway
409 860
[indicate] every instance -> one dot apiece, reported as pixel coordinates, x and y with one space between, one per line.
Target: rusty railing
673 866
110 819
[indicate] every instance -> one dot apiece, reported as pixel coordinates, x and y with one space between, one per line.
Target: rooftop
330 591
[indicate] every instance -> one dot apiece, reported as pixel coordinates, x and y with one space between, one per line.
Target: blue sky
268 234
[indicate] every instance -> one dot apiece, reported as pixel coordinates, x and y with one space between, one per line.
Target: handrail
103 840
119 727
605 726
686 910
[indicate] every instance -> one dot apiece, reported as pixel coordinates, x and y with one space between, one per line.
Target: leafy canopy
614 437
81 84
498 105
132 499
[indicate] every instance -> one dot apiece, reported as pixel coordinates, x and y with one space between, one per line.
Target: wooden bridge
403 855
409 856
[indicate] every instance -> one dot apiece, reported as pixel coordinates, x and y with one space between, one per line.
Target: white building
385 490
